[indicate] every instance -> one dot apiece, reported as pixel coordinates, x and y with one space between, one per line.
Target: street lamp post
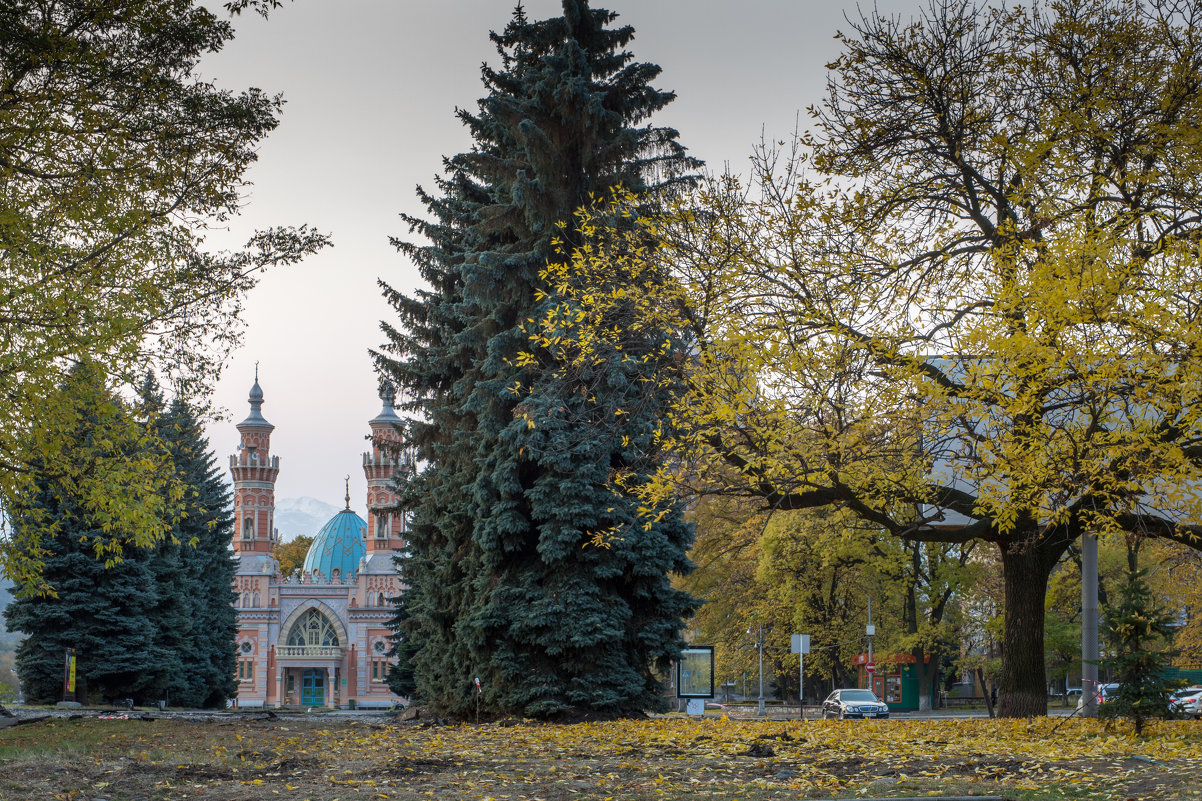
760 647
1089 626
870 630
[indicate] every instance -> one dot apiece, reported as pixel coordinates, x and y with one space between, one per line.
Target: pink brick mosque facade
319 637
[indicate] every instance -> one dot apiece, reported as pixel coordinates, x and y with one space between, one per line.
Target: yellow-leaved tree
116 159
291 555
815 572
966 306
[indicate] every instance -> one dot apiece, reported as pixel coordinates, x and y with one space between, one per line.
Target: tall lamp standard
759 646
1089 626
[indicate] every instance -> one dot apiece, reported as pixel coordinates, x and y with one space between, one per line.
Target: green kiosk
893 679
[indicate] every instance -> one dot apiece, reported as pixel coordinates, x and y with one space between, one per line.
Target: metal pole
871 631
760 647
801 686
1089 625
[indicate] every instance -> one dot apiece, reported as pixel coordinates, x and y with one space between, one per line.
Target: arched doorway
313 687
313 637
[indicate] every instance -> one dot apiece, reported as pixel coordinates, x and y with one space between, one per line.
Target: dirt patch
408 768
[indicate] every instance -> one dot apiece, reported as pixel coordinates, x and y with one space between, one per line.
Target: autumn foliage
964 308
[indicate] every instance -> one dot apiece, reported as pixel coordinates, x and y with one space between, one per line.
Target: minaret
254 471
385 530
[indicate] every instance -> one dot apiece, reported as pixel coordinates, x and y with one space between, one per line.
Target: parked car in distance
1073 692
852 703
1106 692
1177 695
1187 702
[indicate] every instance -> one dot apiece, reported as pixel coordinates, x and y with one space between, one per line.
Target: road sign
870 666
799 644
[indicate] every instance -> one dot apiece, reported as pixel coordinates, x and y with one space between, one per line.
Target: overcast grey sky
371 88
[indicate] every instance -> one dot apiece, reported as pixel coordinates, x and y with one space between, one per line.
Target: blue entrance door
313 687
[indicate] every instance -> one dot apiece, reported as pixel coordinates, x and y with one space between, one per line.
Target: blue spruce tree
146 624
206 567
171 609
100 604
503 583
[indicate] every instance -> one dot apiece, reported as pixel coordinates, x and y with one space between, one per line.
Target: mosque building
318 637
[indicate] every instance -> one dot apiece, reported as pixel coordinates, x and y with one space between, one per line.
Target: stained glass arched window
313 628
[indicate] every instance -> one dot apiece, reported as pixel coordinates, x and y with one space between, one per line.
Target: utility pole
870 630
1089 626
759 646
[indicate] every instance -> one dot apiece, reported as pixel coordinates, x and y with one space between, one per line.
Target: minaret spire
382 467
255 418
254 471
348 493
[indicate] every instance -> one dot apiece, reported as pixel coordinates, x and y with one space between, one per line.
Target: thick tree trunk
1026 567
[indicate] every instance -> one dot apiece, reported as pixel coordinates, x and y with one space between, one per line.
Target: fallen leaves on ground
662 758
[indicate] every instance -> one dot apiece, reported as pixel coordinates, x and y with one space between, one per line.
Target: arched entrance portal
314 630
312 658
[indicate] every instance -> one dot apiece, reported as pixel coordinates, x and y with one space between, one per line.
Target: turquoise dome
338 546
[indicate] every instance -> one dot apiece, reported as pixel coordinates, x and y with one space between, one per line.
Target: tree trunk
1023 690
985 690
925 671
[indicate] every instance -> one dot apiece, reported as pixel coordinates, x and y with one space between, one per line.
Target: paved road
737 713
815 713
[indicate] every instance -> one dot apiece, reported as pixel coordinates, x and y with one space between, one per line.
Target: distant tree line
153 623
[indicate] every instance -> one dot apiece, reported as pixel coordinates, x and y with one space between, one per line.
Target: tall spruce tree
157 623
206 526
502 583
100 605
171 606
195 571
